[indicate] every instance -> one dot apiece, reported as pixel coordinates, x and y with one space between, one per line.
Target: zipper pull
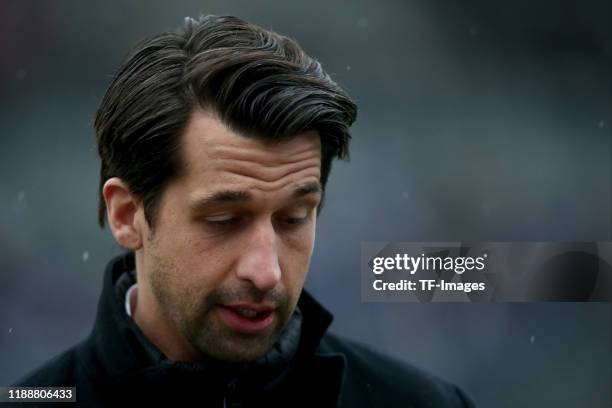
231 402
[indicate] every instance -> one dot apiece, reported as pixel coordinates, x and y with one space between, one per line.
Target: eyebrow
241 196
313 187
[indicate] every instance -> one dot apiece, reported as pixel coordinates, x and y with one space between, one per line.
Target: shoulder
386 381
61 370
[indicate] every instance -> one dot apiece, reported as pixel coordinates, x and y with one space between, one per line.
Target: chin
236 354
235 349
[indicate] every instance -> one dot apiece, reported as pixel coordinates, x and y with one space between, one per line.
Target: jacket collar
120 350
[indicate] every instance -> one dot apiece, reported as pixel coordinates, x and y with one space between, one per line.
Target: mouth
248 318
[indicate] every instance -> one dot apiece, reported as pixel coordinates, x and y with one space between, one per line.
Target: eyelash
298 221
230 222
222 223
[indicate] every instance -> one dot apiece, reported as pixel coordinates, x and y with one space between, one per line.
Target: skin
252 245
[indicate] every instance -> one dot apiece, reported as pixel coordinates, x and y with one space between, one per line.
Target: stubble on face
195 316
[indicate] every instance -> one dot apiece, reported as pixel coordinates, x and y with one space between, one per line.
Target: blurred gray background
479 120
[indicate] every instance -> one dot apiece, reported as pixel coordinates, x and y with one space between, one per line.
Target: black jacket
116 364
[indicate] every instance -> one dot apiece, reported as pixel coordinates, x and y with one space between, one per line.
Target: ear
124 212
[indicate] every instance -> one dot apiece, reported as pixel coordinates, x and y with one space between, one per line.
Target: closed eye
292 221
297 221
222 221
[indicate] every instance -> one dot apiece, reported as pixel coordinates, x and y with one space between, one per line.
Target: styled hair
259 83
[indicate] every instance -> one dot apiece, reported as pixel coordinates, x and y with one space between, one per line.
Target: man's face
233 238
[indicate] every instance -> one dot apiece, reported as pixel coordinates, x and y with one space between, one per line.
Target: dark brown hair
261 84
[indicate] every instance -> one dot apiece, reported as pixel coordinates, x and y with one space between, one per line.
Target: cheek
190 266
192 249
294 257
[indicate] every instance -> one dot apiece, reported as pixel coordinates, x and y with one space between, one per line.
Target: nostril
261 268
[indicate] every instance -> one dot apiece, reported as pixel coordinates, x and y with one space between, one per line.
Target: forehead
214 156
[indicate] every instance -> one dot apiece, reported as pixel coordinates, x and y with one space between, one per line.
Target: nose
258 262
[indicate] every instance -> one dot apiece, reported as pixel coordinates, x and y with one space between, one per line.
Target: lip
246 325
258 307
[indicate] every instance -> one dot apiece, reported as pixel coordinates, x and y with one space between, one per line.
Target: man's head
216 143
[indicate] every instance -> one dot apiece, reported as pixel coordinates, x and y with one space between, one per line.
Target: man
216 142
